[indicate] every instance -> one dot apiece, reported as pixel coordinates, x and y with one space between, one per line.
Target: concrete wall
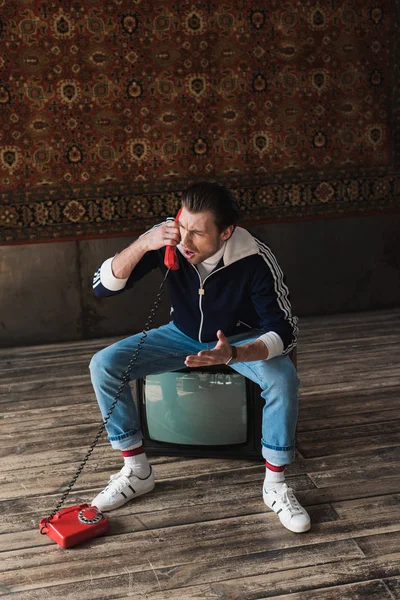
332 266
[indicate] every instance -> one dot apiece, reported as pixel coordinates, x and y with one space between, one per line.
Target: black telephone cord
124 380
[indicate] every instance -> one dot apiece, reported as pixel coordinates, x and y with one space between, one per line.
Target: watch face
90 516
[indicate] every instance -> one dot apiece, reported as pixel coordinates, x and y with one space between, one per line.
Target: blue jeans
164 350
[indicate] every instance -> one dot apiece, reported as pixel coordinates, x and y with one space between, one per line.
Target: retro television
201 412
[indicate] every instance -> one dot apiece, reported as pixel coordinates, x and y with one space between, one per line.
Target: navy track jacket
245 291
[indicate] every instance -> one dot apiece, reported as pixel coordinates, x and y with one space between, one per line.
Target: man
230 305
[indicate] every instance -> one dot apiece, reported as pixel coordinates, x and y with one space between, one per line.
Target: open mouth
188 253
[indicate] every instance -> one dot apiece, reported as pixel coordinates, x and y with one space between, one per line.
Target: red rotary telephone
74 525
170 258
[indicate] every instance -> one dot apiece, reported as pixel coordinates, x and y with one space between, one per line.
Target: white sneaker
292 515
122 487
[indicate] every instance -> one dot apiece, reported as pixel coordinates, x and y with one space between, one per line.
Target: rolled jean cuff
120 442
278 456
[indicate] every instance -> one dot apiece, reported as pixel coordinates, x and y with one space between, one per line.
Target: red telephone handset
170 258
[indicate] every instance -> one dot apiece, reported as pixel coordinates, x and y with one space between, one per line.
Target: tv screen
201 412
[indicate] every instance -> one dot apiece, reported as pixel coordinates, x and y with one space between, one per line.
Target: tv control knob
90 516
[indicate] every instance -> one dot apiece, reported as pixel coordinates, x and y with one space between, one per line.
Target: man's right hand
166 234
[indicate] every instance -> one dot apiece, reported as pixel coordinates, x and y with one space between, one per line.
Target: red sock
273 475
274 468
133 452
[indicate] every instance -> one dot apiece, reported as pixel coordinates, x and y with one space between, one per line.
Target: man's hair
214 198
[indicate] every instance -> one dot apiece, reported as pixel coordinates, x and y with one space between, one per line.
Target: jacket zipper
201 294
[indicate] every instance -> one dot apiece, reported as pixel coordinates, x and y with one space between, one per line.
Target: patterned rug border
119 212
395 210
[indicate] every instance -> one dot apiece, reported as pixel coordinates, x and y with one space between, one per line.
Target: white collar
213 260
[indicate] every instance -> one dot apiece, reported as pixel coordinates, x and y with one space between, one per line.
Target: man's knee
100 361
282 373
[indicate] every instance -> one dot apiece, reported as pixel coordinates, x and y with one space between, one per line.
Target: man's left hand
218 356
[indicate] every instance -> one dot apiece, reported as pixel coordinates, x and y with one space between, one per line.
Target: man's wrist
125 261
256 350
233 355
140 245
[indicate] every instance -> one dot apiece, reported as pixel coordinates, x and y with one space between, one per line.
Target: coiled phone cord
124 380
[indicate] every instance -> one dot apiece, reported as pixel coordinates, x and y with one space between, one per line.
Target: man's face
200 237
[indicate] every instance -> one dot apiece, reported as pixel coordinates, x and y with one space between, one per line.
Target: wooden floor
204 533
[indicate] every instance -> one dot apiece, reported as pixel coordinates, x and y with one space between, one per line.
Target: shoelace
117 485
290 501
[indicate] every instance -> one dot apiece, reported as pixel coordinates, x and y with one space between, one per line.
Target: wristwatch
233 357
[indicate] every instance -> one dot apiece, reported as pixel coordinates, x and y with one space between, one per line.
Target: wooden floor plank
336 403
365 439
371 590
